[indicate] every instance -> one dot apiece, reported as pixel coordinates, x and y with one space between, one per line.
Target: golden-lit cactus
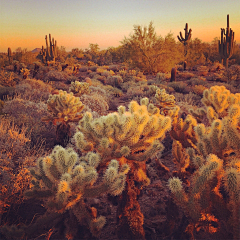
231 128
79 88
183 131
166 103
180 156
65 180
129 137
25 72
198 114
218 100
195 201
132 134
64 107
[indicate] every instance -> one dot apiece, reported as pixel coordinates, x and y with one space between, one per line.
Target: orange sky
76 23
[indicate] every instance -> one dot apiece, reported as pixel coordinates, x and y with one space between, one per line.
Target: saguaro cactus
225 45
10 55
188 35
49 54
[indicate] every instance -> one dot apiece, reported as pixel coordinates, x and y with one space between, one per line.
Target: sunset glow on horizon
76 23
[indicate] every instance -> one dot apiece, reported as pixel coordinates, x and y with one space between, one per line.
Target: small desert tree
147 51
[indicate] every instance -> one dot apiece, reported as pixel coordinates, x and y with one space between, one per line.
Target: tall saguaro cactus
225 45
10 55
185 40
50 52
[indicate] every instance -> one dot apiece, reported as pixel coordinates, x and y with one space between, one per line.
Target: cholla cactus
64 107
166 103
131 134
6 79
181 158
65 180
79 88
197 200
218 100
25 72
222 138
183 131
130 137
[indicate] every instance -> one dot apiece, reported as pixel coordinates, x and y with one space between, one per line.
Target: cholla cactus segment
175 185
232 182
130 133
64 107
79 88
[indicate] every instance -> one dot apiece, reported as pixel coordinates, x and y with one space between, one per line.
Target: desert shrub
71 78
180 87
232 74
93 68
126 85
29 114
197 81
16 157
54 76
33 90
96 103
6 92
100 91
68 70
114 81
113 92
83 69
198 89
185 75
160 77
134 91
114 68
190 98
7 79
217 66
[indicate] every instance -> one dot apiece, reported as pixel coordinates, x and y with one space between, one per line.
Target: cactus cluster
215 156
131 134
64 107
79 88
64 180
130 137
218 100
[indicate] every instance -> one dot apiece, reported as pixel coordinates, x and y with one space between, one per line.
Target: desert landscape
138 141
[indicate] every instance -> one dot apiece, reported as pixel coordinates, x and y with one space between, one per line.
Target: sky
76 23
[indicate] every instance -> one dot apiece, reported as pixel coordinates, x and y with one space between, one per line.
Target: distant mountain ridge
36 50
